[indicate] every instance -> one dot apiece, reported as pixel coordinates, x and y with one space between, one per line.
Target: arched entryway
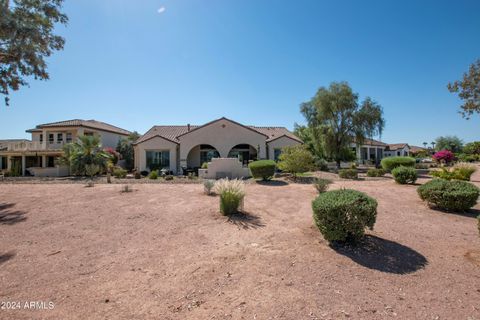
244 153
200 154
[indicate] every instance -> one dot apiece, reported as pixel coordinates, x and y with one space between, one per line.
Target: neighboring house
397 150
370 151
38 156
187 147
415 150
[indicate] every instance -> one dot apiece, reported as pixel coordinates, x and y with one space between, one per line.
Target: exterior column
24 163
44 161
1 162
9 163
368 153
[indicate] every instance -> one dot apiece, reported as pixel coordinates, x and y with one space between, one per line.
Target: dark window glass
276 153
158 159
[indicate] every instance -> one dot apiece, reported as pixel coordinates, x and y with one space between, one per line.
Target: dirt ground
163 251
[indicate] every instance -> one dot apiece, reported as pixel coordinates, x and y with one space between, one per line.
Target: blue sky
139 63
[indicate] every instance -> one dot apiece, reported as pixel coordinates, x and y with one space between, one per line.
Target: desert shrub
208 186
321 164
231 194
153 175
262 169
92 170
119 173
343 215
295 159
205 165
375 172
452 195
348 173
90 184
393 162
321 184
169 177
138 175
404 175
464 157
444 156
461 171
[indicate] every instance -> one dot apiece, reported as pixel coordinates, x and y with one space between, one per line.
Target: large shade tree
468 89
337 119
451 143
26 39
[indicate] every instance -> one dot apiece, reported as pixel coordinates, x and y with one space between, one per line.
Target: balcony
31 146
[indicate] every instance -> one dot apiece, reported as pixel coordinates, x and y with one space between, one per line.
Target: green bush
205 165
153 175
321 184
343 215
375 172
231 194
262 169
452 195
393 162
461 171
404 175
208 186
348 173
119 173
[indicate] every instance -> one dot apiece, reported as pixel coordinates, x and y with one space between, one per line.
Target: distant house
38 155
397 150
186 147
370 150
415 150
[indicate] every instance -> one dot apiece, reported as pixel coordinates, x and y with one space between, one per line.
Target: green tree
468 90
125 148
84 155
472 147
295 159
452 143
337 120
26 39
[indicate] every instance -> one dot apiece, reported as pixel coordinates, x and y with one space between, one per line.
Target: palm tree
425 145
84 154
433 144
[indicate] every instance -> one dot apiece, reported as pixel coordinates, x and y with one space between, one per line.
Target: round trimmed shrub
375 172
262 169
452 195
348 173
393 162
404 175
343 215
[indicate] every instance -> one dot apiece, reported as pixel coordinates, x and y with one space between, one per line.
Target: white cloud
161 10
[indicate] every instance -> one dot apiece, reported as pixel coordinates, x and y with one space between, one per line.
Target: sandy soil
164 252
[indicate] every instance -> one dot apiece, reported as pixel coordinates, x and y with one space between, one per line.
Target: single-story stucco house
397 150
231 144
38 155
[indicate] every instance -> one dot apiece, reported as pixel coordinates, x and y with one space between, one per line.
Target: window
207 152
4 163
41 137
158 159
59 137
69 137
276 153
398 153
51 162
50 137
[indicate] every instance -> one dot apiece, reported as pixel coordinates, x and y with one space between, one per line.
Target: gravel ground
163 251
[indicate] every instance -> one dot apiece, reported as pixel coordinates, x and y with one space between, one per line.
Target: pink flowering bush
115 155
444 156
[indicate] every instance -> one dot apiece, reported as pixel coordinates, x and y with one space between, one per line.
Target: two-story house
38 156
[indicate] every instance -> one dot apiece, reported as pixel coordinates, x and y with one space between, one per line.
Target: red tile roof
92 124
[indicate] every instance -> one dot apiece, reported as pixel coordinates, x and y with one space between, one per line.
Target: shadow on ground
4 257
245 220
10 217
383 255
273 183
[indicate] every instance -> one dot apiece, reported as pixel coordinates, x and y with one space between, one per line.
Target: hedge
262 169
404 175
393 162
452 195
342 215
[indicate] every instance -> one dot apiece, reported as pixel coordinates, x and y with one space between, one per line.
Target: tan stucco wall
280 143
223 135
155 144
